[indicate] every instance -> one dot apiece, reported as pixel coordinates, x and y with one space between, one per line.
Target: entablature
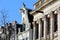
42 3
44 6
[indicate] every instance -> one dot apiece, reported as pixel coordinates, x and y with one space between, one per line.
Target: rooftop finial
24 4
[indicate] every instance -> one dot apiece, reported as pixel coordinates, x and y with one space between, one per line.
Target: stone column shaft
45 28
51 27
40 28
58 24
34 31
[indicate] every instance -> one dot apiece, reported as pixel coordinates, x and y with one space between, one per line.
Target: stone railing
41 3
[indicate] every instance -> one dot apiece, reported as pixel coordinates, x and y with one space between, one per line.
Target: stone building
42 23
46 20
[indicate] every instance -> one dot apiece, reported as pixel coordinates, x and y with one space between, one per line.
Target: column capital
55 12
58 10
44 18
48 16
39 20
34 23
52 14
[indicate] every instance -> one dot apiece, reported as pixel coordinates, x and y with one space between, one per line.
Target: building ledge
42 6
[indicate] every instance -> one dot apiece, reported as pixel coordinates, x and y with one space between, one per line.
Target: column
40 28
52 26
45 27
34 31
59 26
58 23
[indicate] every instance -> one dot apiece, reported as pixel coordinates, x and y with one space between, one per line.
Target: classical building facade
42 23
46 20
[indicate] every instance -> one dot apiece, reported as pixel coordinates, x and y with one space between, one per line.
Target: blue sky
12 7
